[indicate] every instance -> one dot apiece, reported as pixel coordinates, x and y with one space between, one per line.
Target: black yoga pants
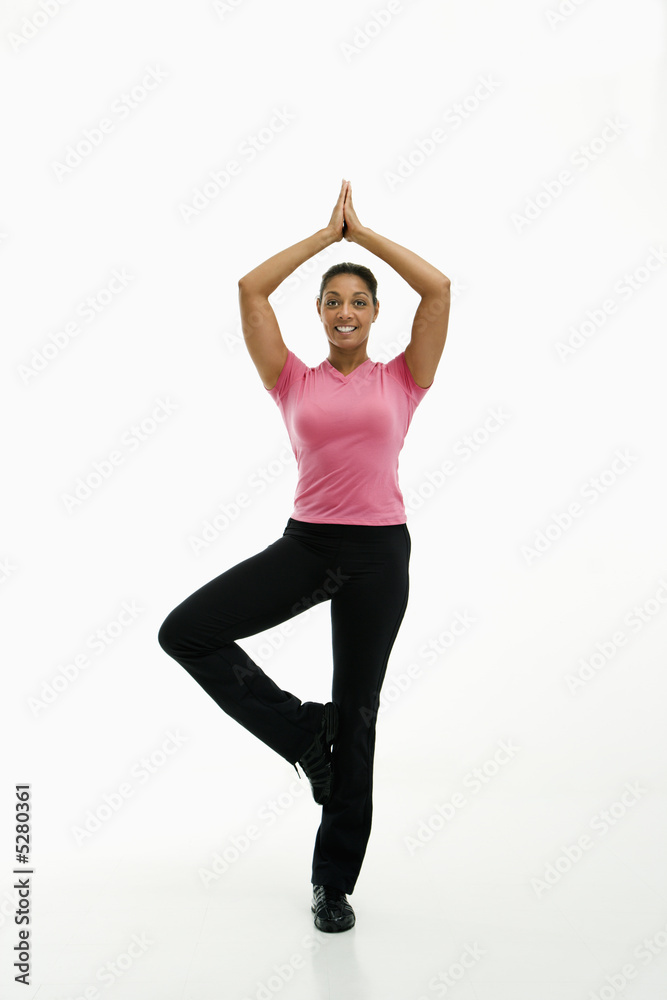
364 571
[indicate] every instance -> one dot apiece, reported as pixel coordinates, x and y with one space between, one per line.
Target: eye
359 302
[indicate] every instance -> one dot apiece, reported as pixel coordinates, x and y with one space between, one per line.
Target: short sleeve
293 369
398 369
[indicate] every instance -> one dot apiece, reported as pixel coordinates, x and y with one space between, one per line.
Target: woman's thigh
283 580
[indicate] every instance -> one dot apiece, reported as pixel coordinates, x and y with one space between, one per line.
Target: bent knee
181 634
170 635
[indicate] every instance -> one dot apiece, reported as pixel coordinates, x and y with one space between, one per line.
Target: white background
520 94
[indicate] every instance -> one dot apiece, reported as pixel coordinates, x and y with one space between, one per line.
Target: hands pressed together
344 223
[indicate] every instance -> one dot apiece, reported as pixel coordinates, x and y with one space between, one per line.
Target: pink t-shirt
346 432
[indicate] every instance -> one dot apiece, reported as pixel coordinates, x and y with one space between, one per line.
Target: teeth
345 329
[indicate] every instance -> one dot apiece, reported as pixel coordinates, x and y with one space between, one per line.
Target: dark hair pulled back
346 267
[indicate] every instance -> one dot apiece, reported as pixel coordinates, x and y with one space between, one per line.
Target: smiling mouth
345 329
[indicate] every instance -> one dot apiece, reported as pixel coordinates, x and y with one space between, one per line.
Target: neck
347 361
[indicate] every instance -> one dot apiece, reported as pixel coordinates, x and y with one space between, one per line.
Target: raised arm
260 327
429 327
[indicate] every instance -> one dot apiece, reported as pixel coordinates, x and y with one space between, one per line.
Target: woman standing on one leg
346 541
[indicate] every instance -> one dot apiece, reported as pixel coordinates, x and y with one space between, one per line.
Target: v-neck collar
344 378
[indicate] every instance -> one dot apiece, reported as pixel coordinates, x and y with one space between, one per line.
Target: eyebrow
332 292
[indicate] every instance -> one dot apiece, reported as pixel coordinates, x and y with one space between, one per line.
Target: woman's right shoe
332 909
317 761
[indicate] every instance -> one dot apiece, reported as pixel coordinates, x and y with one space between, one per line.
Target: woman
346 541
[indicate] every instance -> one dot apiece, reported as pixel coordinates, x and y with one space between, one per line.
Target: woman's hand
337 222
353 227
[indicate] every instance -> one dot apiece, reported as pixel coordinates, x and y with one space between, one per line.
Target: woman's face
347 302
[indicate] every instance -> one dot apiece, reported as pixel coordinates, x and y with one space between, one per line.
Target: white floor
460 917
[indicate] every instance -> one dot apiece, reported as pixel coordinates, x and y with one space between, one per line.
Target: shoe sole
331 721
335 929
330 732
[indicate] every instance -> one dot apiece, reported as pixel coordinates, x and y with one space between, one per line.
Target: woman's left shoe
331 908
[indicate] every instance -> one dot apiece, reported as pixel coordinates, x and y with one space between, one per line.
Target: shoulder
399 370
293 369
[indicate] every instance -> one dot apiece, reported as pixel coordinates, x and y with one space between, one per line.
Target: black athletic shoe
331 908
317 763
